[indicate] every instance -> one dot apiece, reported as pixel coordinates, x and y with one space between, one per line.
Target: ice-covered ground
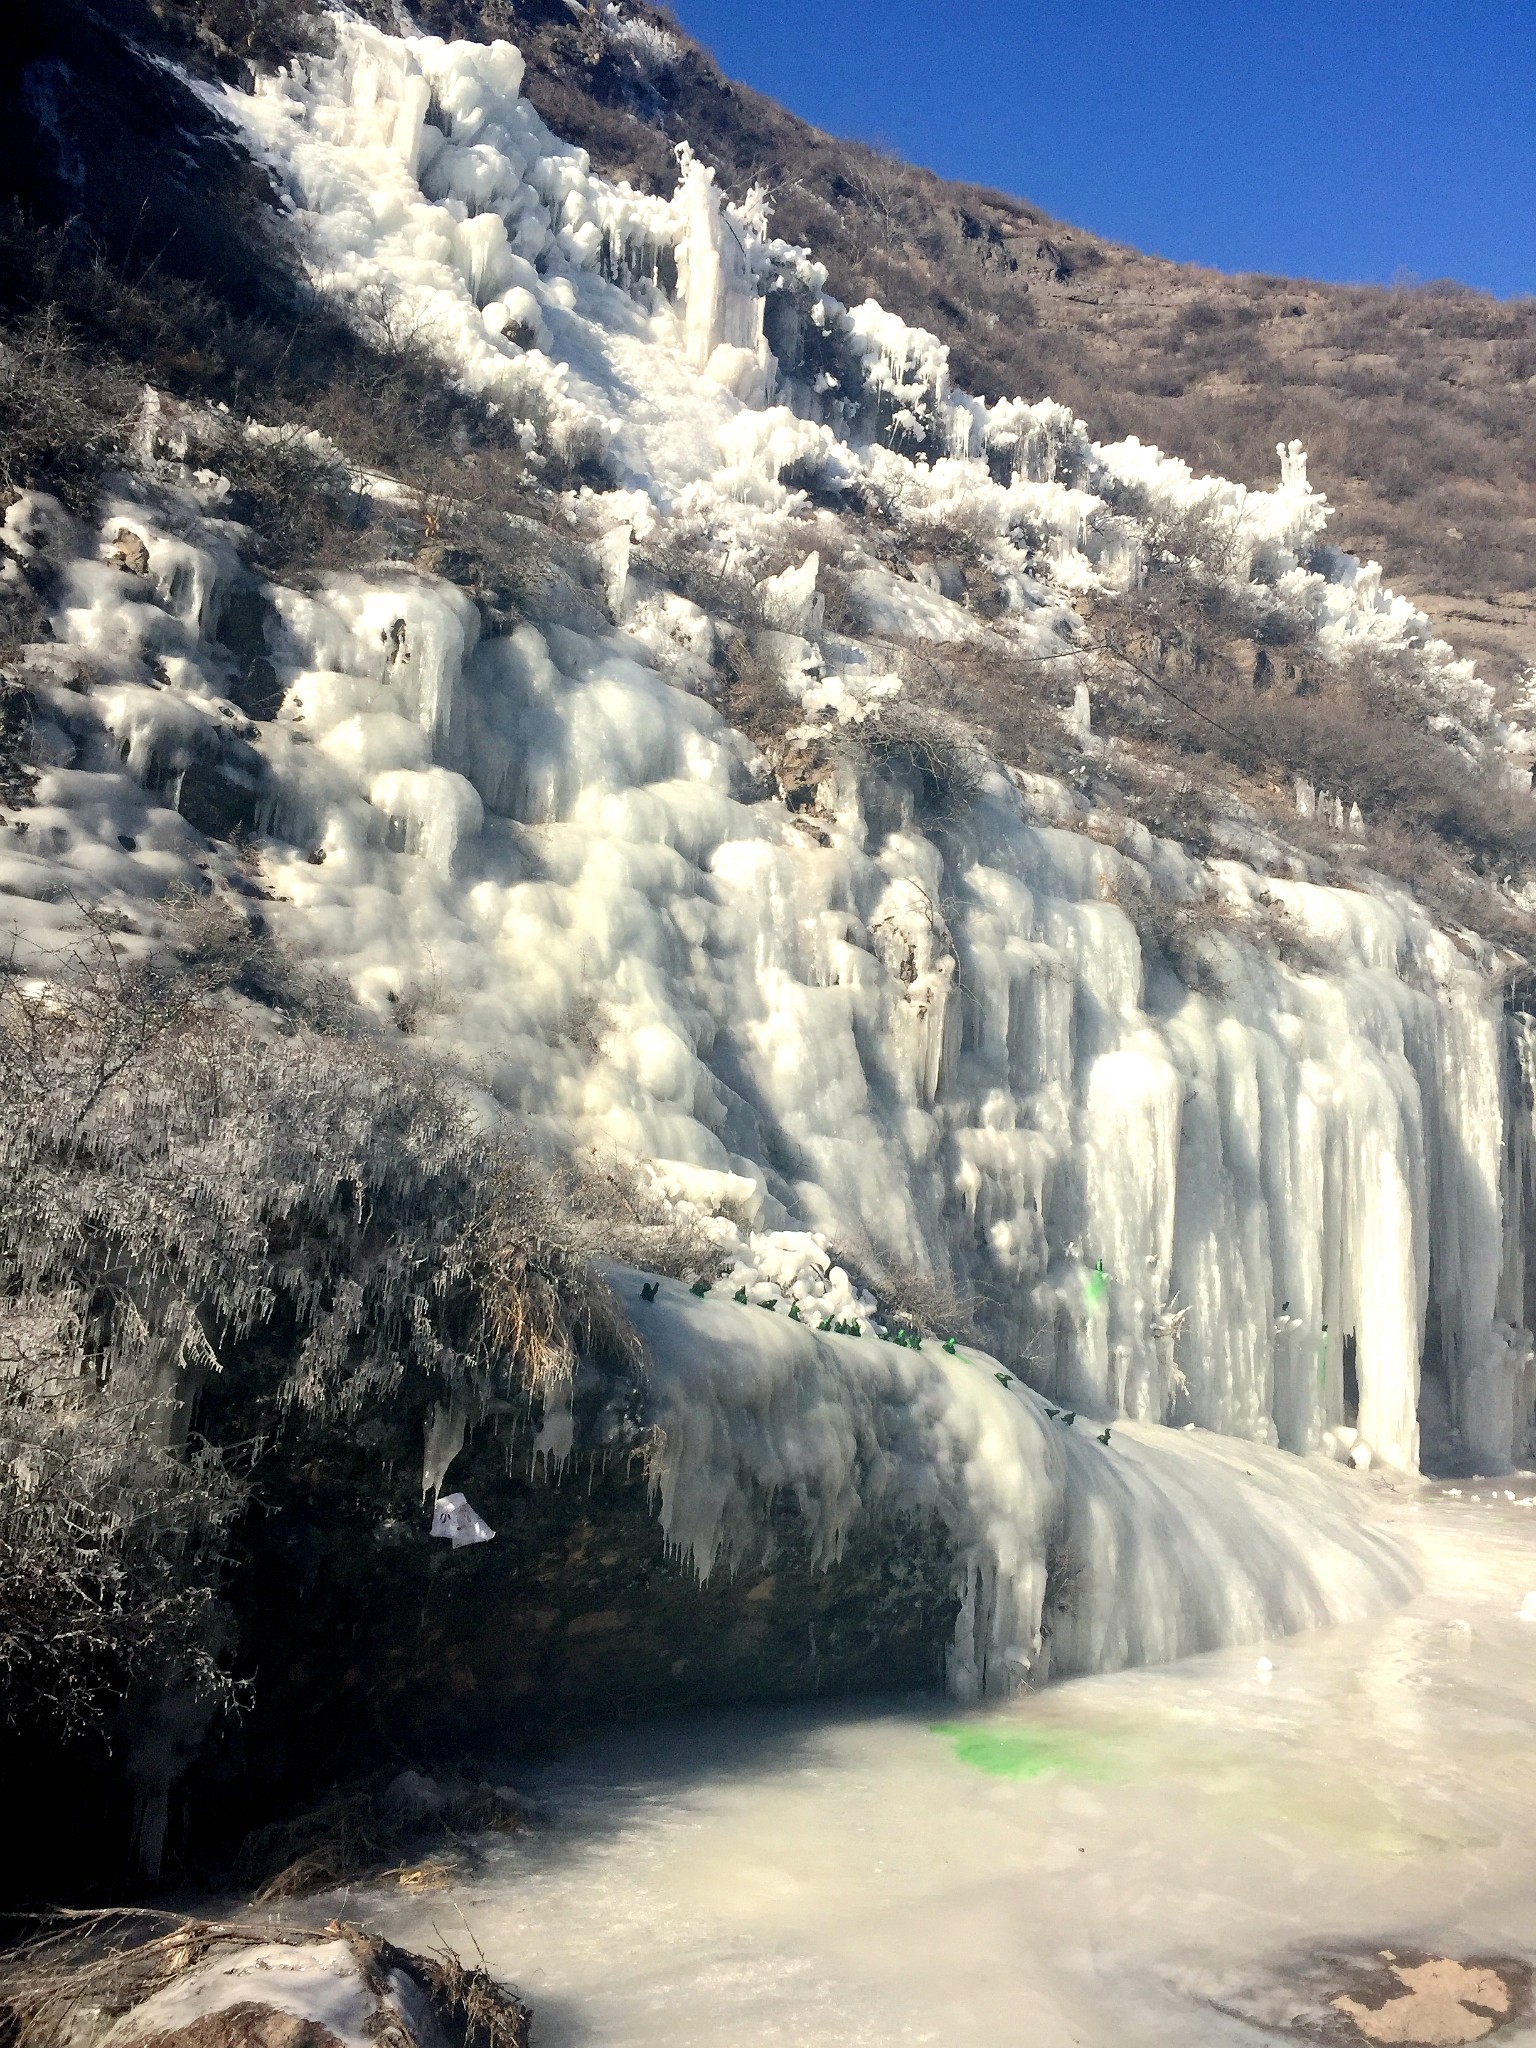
1189 1855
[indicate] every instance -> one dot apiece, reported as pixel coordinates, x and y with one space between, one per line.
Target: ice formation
1075 1554
1253 1208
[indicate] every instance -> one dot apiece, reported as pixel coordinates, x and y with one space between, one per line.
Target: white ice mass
936 1049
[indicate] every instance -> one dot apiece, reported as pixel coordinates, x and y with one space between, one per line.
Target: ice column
717 289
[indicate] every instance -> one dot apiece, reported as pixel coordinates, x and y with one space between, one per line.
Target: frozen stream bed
1193 1853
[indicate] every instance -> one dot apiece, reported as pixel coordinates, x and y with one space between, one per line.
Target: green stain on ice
1023 1756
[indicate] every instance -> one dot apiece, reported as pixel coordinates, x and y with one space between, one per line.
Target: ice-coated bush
196 1180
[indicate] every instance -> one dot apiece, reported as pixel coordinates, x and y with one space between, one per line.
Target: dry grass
473 2009
926 1301
103 1964
88 1970
360 1836
1418 405
542 1304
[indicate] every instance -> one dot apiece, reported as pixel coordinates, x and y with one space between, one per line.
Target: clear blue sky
1340 139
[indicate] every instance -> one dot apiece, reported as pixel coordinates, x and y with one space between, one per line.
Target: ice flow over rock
938 1045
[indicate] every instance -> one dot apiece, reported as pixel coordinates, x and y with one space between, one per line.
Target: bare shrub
18 777
307 507
61 419
680 560
841 610
1292 944
617 1212
111 1526
929 749
1009 700
928 1302
79 340
1165 797
750 692
1064 1575
1360 726
265 31
1181 934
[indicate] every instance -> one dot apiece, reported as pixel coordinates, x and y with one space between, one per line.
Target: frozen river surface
1338 1843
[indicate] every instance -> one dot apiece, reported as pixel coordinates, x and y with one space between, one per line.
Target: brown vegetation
1418 406
927 748
363 1834
94 1969
79 342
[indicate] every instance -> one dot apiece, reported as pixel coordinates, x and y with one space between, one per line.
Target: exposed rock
246 2026
217 802
1387 1995
575 1618
130 554
258 692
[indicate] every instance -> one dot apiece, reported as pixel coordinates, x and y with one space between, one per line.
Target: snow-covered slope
932 1046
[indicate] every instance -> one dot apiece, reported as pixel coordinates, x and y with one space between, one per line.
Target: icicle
446 1428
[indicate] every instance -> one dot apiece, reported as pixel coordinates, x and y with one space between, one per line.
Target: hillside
620 894
1417 406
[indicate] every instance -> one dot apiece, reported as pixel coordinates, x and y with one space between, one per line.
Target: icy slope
933 1045
1074 1554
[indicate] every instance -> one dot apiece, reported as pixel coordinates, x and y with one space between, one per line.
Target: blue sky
1340 139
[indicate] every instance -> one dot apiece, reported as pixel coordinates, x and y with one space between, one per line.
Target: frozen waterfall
1289 1207
1075 1553
1254 1207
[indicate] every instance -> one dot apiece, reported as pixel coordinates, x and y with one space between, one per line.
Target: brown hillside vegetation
1418 406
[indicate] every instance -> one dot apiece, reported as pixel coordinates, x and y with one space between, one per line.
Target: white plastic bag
454 1519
